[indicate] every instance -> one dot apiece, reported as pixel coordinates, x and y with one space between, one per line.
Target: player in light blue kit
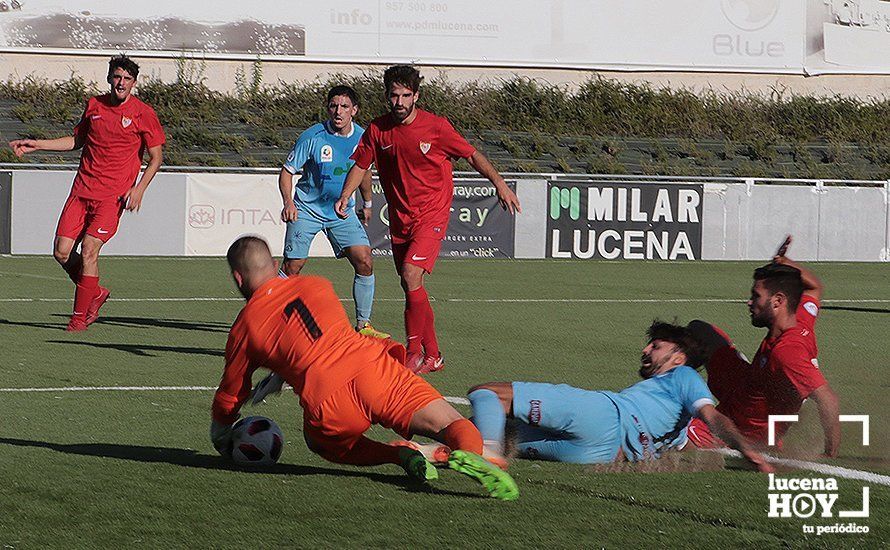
567 424
322 152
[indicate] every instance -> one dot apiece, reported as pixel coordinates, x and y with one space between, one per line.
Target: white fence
194 213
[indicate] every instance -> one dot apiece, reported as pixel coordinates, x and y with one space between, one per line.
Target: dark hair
242 251
125 63
343 90
781 278
680 337
406 75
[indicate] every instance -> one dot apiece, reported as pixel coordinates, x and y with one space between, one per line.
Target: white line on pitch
838 471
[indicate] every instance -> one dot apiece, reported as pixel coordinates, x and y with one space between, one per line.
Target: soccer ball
256 441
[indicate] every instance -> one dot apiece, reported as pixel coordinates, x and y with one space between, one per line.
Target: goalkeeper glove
221 436
267 386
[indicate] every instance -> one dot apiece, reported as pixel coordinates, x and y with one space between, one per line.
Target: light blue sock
489 417
363 294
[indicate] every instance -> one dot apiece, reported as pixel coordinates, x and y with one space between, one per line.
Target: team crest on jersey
327 153
125 122
425 147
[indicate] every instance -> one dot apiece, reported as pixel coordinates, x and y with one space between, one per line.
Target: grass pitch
136 469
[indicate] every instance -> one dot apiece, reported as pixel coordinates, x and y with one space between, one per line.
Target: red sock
462 434
430 342
86 289
417 307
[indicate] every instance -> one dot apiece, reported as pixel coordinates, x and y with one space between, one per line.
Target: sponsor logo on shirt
425 147
811 308
125 122
327 153
815 362
95 117
291 156
385 147
534 412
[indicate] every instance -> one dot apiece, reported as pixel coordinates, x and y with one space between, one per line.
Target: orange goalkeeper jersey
297 328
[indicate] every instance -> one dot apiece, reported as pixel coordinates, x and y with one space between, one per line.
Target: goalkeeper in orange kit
297 328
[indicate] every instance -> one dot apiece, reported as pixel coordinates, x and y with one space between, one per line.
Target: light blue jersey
324 158
654 412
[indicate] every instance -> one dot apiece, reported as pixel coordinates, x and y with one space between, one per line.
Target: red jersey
297 328
414 163
114 139
785 371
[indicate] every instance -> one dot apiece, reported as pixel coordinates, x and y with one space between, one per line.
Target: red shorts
700 435
420 251
384 393
96 218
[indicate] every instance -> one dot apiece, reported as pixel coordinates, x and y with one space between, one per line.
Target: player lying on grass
785 371
567 424
346 381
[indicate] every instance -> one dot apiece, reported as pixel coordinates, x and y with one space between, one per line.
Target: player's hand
783 248
133 198
341 207
364 215
760 462
221 437
508 200
20 147
289 212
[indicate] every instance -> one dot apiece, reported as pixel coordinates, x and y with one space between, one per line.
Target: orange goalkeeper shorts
384 393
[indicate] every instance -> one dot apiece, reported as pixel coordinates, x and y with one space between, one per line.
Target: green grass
136 469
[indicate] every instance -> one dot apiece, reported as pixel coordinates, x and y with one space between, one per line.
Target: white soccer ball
256 441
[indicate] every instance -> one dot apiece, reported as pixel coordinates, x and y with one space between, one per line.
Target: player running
567 424
115 131
297 328
413 150
323 152
785 371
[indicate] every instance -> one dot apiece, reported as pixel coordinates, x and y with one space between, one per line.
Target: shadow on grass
856 309
193 459
51 326
143 350
139 322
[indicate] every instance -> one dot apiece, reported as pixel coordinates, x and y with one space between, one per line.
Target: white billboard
707 35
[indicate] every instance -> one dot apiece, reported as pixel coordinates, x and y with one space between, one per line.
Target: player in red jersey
413 150
115 131
785 371
346 381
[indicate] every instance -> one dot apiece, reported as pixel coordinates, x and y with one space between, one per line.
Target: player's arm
367 194
812 286
506 196
133 197
829 414
722 427
234 389
22 147
286 188
354 179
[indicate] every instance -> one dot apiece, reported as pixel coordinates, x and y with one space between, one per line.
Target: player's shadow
857 309
51 326
139 322
144 350
193 459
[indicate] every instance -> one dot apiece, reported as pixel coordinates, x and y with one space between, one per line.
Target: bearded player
413 151
346 381
639 423
785 371
115 131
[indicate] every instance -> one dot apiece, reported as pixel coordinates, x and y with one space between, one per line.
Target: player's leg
566 424
102 223
491 404
419 259
406 403
348 238
298 237
69 233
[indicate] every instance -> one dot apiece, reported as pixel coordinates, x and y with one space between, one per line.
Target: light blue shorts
565 424
342 233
